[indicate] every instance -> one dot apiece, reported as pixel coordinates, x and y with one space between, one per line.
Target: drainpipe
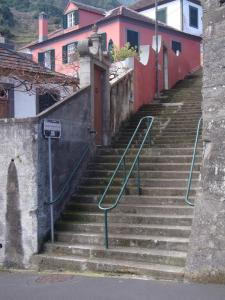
182 14
157 49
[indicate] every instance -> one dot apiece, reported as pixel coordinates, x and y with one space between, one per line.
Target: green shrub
119 54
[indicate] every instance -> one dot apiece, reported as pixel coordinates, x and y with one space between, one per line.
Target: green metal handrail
69 179
136 163
187 201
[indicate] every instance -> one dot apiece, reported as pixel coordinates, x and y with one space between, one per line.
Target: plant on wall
119 54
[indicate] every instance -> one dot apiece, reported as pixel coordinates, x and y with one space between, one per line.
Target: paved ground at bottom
30 286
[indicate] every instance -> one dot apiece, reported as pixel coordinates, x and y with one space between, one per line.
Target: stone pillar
206 257
91 55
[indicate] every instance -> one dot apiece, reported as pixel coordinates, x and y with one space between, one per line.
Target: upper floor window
193 16
71 19
162 15
47 59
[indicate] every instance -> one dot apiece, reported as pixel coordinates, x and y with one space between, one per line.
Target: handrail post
106 229
138 176
124 171
51 189
187 201
149 135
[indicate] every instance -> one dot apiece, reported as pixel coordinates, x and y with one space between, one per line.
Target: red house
121 25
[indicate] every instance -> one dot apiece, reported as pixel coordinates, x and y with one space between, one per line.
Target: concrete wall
121 100
24 183
206 259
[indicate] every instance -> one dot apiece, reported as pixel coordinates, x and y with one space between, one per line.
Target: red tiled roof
89 8
116 12
142 4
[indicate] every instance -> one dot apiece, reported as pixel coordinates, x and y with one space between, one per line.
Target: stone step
120 234
147 166
156 144
133 208
69 263
118 182
130 241
130 200
154 191
160 132
150 151
128 218
144 174
148 158
150 256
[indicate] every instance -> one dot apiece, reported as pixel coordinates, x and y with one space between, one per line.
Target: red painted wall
112 30
144 76
144 81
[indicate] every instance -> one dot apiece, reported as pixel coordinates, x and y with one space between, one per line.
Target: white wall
24 103
188 28
173 13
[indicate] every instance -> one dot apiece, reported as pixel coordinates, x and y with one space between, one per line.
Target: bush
119 54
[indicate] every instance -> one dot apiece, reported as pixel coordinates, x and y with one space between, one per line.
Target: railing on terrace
135 164
187 201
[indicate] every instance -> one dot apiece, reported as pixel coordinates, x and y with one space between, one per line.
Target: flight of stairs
148 234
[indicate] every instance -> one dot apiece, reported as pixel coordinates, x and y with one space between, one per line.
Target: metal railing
127 174
66 187
187 201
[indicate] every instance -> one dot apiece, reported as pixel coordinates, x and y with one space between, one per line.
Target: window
47 63
71 19
193 16
162 15
133 39
176 46
69 53
103 37
47 59
47 99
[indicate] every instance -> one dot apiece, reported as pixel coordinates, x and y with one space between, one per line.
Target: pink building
118 26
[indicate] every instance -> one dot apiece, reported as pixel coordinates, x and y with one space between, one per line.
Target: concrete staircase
148 234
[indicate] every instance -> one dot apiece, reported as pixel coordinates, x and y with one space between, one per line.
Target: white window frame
70 19
71 50
47 61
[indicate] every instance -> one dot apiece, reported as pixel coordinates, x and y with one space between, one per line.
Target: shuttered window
47 59
104 41
162 15
72 18
69 53
193 16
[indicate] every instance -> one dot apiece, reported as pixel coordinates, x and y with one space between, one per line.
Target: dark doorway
46 100
4 103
